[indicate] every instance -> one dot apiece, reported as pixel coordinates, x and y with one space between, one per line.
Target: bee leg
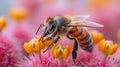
74 51
53 35
75 48
51 45
49 38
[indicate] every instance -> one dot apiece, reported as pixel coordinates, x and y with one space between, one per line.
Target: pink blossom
39 61
21 33
84 59
8 57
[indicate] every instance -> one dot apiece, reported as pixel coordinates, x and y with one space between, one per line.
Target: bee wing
85 24
79 17
81 20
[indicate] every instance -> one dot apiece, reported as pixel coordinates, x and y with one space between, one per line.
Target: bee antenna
39 28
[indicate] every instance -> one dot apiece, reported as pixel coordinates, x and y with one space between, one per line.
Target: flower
107 47
39 61
96 36
90 60
21 33
18 13
33 45
8 56
59 51
114 59
2 22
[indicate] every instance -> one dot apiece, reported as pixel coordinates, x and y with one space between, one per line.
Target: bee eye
52 26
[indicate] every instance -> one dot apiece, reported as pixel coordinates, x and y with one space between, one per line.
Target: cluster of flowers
61 53
107 47
18 51
35 46
12 38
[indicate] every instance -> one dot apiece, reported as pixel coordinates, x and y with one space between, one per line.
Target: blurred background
30 13
20 19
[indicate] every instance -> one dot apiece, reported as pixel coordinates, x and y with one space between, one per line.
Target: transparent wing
81 20
86 24
79 17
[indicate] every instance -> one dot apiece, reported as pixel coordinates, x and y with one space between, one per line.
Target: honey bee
73 27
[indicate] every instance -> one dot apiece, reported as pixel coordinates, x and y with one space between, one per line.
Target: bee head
49 26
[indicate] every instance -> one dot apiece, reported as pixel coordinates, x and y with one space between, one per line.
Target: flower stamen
60 52
107 47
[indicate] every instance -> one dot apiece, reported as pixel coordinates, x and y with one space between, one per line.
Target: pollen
2 22
48 42
96 36
27 48
113 49
55 53
102 45
17 14
66 51
34 45
107 47
60 52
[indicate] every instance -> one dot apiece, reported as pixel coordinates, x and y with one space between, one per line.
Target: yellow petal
27 48
52 50
65 53
2 22
113 49
96 36
99 37
17 14
37 48
92 36
101 41
42 46
102 45
55 53
39 44
68 48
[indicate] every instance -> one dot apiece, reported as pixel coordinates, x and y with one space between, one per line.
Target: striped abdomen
83 38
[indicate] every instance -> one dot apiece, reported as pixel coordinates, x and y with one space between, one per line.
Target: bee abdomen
85 41
83 38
